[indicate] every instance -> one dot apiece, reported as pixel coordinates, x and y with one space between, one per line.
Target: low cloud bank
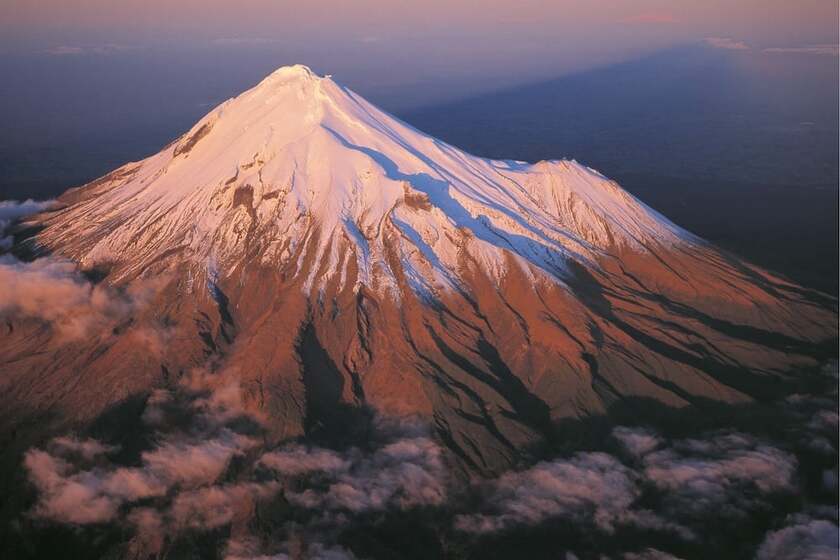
79 484
209 470
587 487
11 211
727 473
78 50
403 474
818 50
815 539
726 43
695 490
53 291
682 481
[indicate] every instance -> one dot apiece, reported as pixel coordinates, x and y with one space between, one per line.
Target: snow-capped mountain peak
300 161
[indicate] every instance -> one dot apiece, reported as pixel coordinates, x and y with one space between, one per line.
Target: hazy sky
637 21
397 43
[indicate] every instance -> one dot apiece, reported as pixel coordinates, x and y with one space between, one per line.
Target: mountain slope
338 261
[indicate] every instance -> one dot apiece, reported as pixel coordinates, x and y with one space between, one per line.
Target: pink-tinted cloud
654 484
819 50
403 474
149 532
249 548
87 449
78 484
726 43
587 487
404 471
637 442
649 554
713 474
66 499
724 474
296 460
53 291
194 463
12 210
815 539
214 506
74 50
72 494
179 486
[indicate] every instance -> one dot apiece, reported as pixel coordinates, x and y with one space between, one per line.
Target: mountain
340 262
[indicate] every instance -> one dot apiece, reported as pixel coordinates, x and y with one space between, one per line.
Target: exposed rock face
339 259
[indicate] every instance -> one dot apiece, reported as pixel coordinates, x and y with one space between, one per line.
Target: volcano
340 261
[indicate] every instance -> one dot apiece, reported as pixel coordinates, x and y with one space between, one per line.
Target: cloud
76 50
72 494
637 442
192 463
319 551
147 524
587 487
819 50
726 43
296 460
721 474
803 538
186 482
651 18
53 291
249 549
402 474
814 422
649 554
215 506
87 449
65 50
210 477
727 473
70 499
78 484
12 210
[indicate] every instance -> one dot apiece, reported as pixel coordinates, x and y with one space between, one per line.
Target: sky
472 38
759 20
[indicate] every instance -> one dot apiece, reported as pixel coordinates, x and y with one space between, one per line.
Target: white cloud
402 474
819 50
78 484
215 506
588 486
52 290
803 538
650 554
726 43
727 473
78 50
636 441
12 210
